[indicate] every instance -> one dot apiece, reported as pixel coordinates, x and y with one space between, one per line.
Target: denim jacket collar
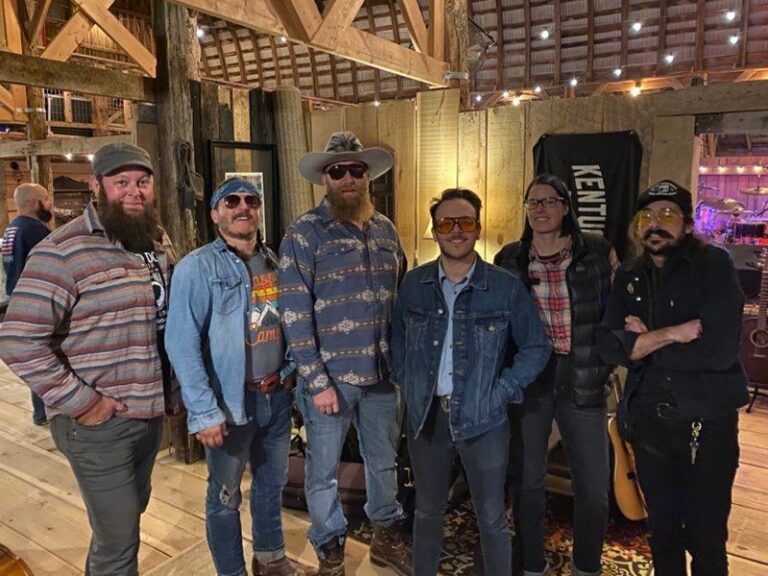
479 280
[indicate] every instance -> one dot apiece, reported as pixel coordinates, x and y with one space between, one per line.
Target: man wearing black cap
674 320
228 351
84 329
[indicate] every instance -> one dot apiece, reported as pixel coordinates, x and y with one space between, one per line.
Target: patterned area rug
626 551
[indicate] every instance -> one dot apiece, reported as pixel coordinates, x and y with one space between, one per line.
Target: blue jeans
585 438
484 459
264 442
38 410
374 412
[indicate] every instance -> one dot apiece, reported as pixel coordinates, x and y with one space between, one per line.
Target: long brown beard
359 209
135 233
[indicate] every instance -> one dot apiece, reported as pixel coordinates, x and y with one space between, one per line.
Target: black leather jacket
704 378
589 285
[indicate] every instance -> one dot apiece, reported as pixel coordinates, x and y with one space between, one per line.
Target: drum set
726 221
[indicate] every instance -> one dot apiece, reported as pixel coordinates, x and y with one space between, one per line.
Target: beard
135 233
665 249
356 209
43 214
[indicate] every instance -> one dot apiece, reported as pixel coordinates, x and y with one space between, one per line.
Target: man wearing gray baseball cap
85 329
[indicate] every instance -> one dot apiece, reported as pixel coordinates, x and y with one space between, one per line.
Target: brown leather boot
332 559
389 548
282 567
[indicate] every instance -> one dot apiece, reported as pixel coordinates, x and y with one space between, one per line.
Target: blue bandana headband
235 186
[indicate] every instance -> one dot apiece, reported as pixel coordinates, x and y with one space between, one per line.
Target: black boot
389 548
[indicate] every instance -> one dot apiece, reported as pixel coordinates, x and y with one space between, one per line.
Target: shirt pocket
226 293
388 254
491 334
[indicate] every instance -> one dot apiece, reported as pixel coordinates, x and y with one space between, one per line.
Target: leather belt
445 403
265 385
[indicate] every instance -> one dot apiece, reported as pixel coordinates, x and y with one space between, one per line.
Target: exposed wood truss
58 146
301 21
96 12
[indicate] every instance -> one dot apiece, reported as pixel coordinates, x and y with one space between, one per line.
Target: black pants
688 505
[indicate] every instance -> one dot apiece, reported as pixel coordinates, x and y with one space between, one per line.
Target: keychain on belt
695 433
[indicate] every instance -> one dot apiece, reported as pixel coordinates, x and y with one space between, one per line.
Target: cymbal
707 187
721 205
755 191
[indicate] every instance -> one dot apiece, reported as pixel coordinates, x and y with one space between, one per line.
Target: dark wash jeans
112 463
484 459
585 438
689 505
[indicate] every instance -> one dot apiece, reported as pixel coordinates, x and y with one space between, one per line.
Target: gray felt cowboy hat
344 147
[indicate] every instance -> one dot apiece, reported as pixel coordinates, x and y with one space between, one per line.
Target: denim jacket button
439 310
435 342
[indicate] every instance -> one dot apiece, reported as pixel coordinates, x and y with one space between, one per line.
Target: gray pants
112 463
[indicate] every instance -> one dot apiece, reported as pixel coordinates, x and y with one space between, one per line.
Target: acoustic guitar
754 338
626 488
12 565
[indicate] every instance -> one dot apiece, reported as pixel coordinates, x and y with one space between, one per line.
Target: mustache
659 232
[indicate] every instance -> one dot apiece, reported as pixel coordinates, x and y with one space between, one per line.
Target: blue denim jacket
499 346
205 334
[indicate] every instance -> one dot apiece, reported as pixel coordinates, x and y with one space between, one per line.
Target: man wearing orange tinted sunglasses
455 321
674 319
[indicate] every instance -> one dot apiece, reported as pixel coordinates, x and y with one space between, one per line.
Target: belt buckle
445 404
266 384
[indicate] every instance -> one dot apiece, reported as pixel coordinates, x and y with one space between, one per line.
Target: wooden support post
171 24
458 43
3 198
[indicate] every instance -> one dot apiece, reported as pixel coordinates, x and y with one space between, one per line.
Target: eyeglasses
548 202
665 217
338 171
465 223
232 201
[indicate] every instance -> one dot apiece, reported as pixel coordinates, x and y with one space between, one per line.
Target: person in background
455 321
340 264
84 330
29 227
228 352
674 320
569 275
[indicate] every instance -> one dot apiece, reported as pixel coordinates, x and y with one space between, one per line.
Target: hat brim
312 165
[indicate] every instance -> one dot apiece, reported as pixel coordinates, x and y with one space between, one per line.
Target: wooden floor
42 517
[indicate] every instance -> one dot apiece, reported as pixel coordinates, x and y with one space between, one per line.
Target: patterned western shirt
337 287
550 294
82 322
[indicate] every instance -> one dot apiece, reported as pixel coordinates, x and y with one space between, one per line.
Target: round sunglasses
665 217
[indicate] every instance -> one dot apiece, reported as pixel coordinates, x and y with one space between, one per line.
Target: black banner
603 174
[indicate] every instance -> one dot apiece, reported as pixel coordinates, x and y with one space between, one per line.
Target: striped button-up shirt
82 322
337 287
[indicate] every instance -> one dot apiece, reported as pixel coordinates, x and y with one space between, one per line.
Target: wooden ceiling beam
58 146
108 22
71 35
698 59
32 71
396 36
337 17
300 18
362 47
38 20
414 21
437 29
661 44
742 61
6 100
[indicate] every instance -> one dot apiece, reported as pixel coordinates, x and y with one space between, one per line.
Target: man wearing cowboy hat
340 264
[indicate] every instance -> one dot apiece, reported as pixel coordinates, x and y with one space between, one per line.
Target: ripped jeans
264 443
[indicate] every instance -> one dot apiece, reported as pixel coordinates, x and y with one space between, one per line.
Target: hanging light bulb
573 82
636 90
505 94
544 34
637 26
516 100
730 16
200 32
617 72
669 58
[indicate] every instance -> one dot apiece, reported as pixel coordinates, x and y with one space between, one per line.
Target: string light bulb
537 90
637 26
730 16
573 82
733 39
516 100
669 58
740 169
200 32
544 34
703 169
721 169
68 155
636 90
505 94
617 72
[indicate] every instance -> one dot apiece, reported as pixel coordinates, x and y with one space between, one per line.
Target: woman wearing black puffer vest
569 275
